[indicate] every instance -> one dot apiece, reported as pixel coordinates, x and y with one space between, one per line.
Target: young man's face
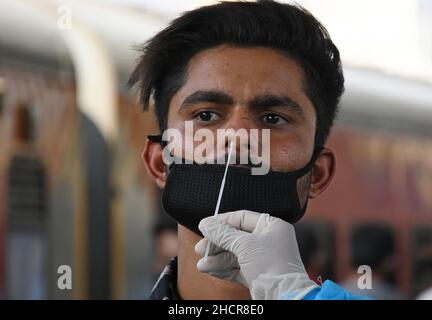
252 88
254 79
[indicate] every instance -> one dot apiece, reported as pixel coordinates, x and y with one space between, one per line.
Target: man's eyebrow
210 96
270 100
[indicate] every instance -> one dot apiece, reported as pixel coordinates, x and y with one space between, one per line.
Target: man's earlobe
153 162
323 172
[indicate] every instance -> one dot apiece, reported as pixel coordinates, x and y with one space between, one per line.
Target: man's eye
273 119
206 116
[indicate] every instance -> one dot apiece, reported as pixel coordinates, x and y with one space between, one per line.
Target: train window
317 248
25 241
24 127
421 250
26 192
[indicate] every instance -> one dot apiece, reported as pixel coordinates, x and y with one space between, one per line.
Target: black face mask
191 192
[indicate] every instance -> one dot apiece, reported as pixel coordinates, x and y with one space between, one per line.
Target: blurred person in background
373 246
308 246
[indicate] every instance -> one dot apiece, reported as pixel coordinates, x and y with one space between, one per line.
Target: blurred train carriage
74 192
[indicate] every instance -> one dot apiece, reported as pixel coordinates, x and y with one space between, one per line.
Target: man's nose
239 120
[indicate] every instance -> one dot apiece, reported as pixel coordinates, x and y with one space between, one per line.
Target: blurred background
74 192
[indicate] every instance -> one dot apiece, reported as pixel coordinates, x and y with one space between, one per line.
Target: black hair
291 29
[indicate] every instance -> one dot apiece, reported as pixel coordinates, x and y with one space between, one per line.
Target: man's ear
323 172
153 162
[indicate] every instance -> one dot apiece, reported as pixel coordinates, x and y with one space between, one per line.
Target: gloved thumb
222 235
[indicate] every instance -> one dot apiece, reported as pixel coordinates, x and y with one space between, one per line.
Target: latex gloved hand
256 250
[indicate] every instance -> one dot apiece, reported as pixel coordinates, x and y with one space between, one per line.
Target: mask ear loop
308 166
316 154
157 138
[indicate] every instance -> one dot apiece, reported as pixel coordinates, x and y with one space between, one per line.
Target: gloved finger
201 247
229 275
222 235
263 222
224 261
229 271
245 220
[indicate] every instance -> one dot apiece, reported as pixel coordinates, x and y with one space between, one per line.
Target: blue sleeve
331 291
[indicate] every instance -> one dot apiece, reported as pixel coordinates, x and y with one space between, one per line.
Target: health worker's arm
260 252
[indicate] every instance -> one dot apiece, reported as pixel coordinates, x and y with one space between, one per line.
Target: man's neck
195 285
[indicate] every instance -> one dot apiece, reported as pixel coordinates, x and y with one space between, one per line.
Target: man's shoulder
166 286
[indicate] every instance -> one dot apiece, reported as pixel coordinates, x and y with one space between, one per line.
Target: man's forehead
242 73
228 61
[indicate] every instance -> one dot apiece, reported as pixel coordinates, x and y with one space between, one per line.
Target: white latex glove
256 250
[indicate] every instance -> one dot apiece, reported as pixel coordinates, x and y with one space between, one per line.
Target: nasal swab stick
220 193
